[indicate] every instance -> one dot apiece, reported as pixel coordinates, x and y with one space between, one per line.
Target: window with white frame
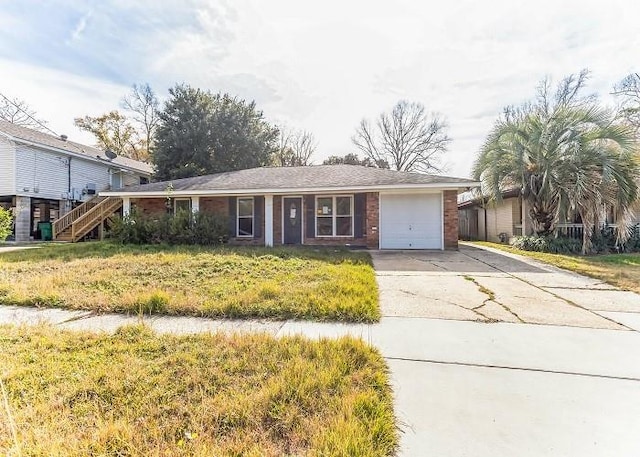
181 205
245 217
334 215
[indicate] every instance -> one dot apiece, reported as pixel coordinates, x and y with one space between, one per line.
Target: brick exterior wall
211 205
371 239
215 205
150 206
450 199
372 227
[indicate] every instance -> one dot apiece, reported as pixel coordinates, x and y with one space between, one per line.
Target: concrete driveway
491 286
473 377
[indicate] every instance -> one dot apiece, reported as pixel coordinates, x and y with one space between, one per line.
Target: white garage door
411 221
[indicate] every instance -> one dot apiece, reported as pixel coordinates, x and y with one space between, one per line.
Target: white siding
500 219
44 174
7 167
130 179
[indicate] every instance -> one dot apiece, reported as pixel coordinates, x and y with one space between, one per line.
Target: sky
318 66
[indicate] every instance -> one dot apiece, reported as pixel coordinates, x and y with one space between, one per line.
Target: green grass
136 393
239 282
621 270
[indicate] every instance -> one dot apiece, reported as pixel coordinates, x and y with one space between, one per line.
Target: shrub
183 228
560 245
6 223
603 242
134 228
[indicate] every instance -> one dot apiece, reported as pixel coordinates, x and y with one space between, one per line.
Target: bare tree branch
144 106
628 92
407 138
304 145
20 113
295 148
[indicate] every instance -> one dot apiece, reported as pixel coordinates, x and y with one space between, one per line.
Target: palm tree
571 157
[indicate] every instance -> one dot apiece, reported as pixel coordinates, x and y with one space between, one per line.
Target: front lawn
621 270
279 283
135 393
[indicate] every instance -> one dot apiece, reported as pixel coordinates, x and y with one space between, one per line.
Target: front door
292 220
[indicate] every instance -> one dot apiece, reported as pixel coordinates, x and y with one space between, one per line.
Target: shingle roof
311 177
22 133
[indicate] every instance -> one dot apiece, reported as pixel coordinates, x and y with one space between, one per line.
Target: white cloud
323 66
80 27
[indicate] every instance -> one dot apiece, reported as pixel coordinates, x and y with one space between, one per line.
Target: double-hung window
334 216
181 205
245 217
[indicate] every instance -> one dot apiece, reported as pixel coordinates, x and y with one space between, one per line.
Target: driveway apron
496 355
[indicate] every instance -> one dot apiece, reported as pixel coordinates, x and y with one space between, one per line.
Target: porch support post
126 206
268 220
195 204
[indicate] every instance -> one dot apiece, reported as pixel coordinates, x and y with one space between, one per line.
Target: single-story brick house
317 205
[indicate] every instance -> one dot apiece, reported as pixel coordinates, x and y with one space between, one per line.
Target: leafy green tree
567 154
129 134
353 159
114 131
201 133
6 223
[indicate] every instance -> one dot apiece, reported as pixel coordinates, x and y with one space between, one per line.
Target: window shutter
232 216
310 209
258 207
359 214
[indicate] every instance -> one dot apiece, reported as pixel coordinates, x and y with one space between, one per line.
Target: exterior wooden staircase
77 223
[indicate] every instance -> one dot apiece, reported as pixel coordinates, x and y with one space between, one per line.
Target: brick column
373 220
23 218
450 208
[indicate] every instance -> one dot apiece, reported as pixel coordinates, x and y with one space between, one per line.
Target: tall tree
628 91
114 131
201 133
353 159
20 113
295 148
567 154
407 138
143 105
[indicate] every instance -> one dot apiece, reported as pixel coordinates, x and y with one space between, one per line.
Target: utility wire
18 107
26 113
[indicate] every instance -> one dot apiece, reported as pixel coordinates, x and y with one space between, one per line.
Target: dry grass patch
621 270
135 393
281 283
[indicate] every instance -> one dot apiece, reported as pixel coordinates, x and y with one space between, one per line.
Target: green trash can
46 231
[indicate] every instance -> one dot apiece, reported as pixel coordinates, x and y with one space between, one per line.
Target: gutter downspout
69 174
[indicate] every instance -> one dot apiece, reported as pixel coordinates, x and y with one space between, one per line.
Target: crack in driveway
543 289
491 297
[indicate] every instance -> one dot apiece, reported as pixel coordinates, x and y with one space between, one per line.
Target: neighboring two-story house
44 177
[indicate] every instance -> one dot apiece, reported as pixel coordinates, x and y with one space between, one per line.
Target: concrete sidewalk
467 388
